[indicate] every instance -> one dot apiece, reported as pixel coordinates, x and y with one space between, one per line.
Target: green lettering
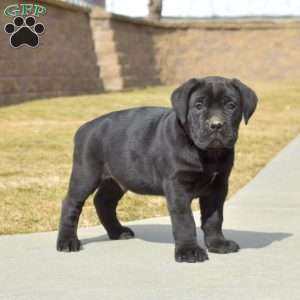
12 10
39 10
26 9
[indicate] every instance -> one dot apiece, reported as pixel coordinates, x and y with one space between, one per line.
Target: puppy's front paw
190 254
68 244
222 246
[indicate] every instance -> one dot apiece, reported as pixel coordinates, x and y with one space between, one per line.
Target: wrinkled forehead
215 90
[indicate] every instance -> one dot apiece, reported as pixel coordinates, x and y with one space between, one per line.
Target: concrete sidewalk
263 217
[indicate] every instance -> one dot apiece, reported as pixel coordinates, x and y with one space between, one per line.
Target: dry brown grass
36 149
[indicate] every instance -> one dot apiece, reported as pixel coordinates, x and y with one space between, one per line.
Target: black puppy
185 152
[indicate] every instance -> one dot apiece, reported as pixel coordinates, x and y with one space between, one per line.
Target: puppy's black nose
215 124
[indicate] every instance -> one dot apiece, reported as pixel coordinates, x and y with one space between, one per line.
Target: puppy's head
211 110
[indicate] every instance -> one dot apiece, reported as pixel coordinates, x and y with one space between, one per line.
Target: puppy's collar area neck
215 155
213 177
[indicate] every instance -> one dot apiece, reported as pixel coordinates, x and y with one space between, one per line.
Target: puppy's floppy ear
249 99
180 98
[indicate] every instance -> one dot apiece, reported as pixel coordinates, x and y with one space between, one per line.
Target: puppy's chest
202 183
212 170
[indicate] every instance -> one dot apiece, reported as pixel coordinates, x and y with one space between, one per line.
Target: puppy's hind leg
85 178
106 201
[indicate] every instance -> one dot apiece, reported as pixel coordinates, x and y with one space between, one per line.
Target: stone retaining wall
171 52
63 64
85 52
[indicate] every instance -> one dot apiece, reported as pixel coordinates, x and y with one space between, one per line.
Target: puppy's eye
231 105
200 104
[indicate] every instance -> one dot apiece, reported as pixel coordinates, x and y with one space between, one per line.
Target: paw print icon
24 31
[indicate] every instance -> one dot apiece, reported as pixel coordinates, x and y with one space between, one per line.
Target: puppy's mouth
216 143
216 140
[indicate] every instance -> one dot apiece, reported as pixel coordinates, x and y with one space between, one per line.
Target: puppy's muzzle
215 124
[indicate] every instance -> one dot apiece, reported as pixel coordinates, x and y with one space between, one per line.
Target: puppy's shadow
161 233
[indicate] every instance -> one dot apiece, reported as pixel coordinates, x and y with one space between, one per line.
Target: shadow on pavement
158 233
